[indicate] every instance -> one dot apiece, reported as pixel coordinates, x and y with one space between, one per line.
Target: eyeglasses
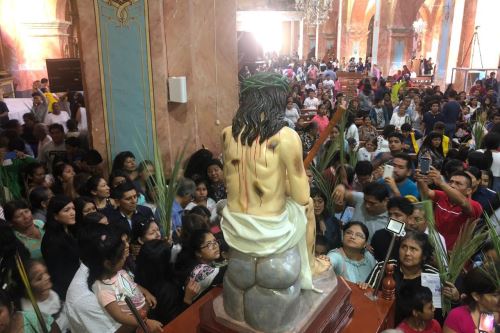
355 234
211 245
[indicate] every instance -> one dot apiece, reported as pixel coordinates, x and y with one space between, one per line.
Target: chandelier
419 26
315 12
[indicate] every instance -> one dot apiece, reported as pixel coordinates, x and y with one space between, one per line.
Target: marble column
384 46
376 32
444 43
301 39
339 32
468 24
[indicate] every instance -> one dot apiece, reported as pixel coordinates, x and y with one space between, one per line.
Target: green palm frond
469 241
165 188
324 186
478 132
29 291
491 271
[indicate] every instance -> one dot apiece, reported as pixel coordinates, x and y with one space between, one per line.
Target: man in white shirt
328 84
311 102
57 117
310 85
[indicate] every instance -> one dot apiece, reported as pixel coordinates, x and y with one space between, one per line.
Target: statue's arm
291 155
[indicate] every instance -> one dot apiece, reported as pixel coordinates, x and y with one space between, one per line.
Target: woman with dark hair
309 136
28 230
111 283
78 111
201 198
326 224
367 131
97 188
432 148
13 321
491 143
39 200
197 163
415 253
155 273
64 175
352 261
145 170
59 246
217 187
351 130
366 98
35 176
117 177
488 105
125 161
354 106
143 230
482 297
191 223
197 261
95 218
83 207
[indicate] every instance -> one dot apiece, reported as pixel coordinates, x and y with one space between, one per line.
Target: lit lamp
315 12
419 26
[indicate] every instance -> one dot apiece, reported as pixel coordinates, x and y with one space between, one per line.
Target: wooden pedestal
331 318
368 317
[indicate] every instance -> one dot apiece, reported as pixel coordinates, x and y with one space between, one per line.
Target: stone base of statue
264 295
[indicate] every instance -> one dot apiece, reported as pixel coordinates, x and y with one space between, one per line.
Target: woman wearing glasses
352 261
198 262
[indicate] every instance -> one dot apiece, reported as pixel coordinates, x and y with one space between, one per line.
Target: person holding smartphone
482 303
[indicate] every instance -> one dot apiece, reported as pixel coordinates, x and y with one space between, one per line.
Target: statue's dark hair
262 108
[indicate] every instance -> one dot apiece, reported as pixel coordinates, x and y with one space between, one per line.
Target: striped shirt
398 274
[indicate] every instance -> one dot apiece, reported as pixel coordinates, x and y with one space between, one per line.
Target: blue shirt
351 270
451 112
407 187
176 215
430 119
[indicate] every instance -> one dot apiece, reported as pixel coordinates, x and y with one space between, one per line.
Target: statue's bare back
257 176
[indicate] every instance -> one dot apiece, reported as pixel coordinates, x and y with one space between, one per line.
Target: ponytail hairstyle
109 246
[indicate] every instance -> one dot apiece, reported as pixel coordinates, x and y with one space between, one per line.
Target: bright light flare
267 29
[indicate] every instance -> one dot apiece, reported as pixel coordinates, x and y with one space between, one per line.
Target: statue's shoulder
226 133
288 134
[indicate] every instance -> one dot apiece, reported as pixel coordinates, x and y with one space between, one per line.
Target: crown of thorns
265 80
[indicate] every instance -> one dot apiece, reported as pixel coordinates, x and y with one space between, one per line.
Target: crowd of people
92 245
401 144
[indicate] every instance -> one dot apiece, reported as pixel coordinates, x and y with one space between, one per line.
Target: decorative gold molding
121 9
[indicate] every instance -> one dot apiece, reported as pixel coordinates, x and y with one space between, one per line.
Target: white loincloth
261 236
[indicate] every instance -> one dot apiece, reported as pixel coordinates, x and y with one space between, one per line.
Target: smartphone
486 322
388 171
424 163
395 226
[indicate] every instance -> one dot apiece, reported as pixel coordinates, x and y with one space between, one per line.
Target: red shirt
322 122
450 218
432 327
